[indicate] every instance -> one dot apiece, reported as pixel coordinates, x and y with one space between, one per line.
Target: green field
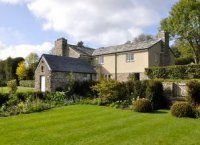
94 125
20 89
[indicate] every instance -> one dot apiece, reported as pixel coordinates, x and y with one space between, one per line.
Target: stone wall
175 90
60 79
42 70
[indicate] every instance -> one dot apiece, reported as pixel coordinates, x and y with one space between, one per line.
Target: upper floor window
129 57
101 60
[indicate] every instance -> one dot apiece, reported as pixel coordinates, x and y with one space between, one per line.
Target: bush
155 94
107 90
174 72
193 89
84 89
142 105
12 85
183 109
27 83
4 97
184 61
57 98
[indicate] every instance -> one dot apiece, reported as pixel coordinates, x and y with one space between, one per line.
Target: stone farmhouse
114 62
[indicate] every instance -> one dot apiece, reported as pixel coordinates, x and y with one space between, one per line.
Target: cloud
105 22
14 1
101 22
23 50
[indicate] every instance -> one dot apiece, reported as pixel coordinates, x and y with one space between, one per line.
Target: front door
42 80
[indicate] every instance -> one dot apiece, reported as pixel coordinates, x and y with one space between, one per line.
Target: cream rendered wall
109 64
138 65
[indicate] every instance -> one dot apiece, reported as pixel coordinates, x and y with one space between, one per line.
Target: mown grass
20 89
94 125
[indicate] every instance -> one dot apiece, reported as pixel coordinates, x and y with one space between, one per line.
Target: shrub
107 90
4 97
184 61
142 105
155 94
193 89
56 98
183 109
84 89
174 72
27 83
12 85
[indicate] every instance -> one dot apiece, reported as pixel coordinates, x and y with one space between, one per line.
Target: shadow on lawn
159 112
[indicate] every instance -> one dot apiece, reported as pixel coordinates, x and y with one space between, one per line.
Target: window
101 60
107 76
42 68
129 57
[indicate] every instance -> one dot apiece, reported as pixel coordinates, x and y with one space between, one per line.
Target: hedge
193 89
27 83
174 72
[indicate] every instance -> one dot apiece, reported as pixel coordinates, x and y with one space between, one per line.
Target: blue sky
33 25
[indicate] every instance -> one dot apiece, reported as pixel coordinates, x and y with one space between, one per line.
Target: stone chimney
165 52
164 36
61 48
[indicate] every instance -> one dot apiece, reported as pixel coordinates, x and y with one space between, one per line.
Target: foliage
193 89
12 86
57 98
27 83
4 97
32 60
21 71
8 68
184 61
183 22
155 94
174 72
95 101
70 84
133 77
107 90
84 89
142 105
183 109
121 104
143 37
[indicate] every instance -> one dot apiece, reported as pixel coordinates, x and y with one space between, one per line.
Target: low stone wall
175 90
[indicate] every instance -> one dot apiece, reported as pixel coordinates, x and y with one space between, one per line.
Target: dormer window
101 60
130 57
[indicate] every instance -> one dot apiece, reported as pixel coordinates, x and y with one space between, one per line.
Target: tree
8 69
21 71
32 60
183 23
183 48
143 37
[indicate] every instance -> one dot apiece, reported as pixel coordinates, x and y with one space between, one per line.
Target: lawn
94 125
20 89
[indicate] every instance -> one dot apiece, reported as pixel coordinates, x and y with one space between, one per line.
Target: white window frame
130 57
101 59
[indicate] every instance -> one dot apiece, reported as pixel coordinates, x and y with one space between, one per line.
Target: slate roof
68 64
83 50
126 47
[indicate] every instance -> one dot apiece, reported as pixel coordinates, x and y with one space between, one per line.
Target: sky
33 25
